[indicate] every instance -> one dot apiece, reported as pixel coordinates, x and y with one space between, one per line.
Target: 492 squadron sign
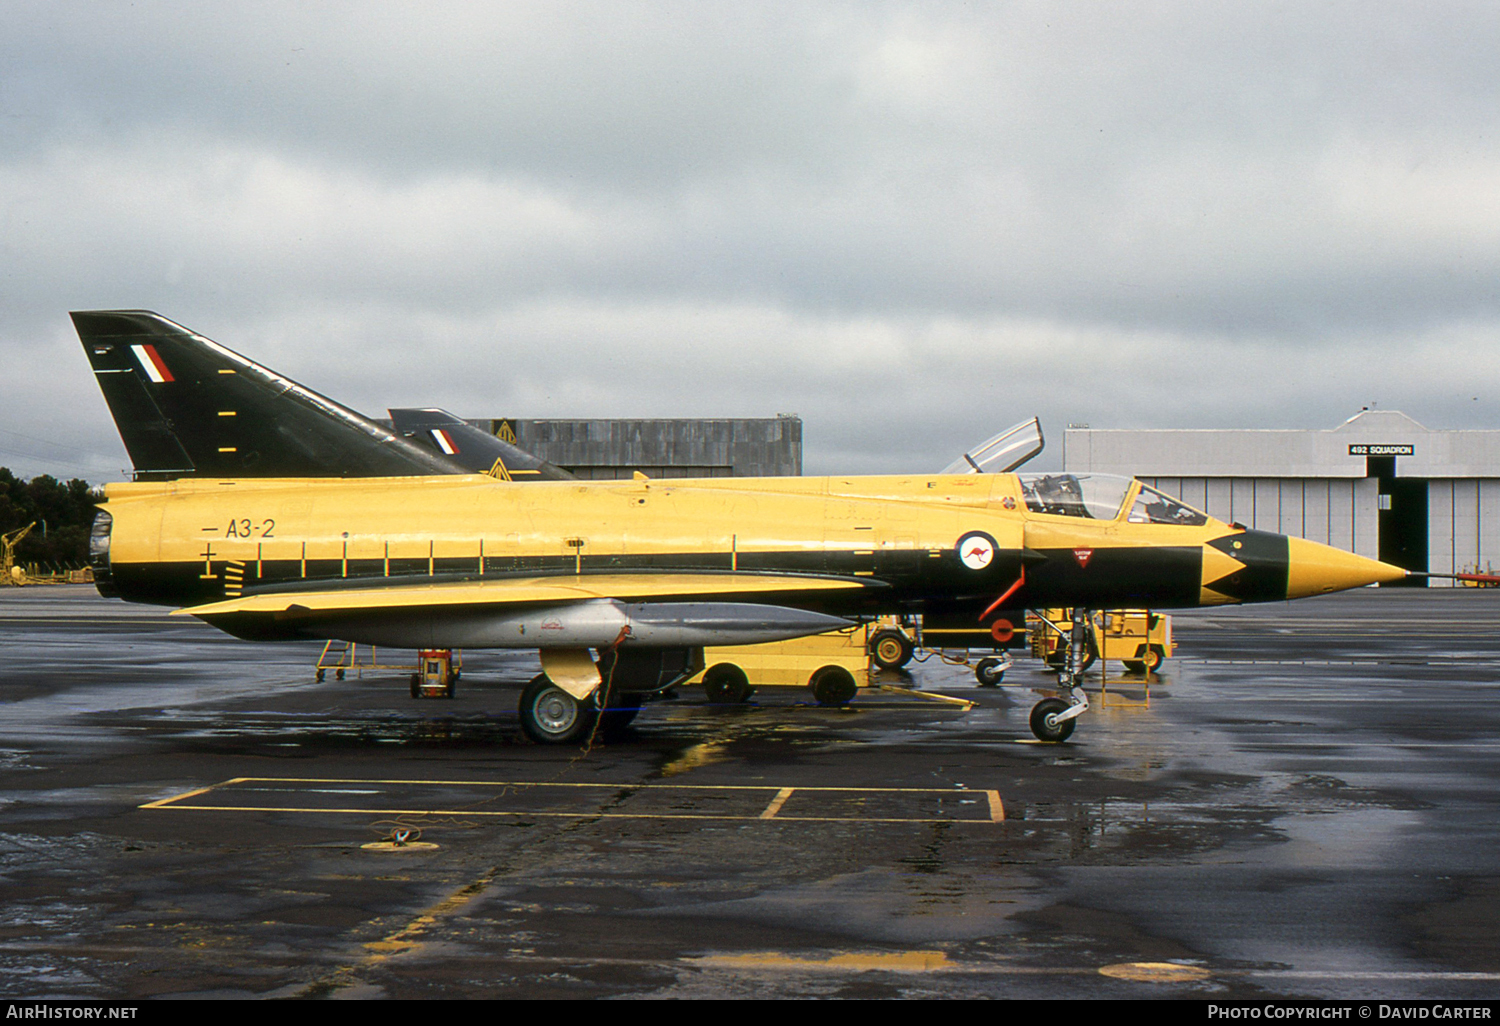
1369 449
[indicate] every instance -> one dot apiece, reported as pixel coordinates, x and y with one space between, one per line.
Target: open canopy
1002 453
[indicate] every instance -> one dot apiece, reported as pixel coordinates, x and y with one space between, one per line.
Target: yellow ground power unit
834 666
1139 638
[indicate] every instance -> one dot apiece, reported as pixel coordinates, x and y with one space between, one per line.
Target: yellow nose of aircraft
1257 566
1314 569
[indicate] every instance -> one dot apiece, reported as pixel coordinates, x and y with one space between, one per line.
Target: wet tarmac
1303 803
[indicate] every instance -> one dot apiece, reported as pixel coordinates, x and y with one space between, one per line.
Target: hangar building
1379 484
605 449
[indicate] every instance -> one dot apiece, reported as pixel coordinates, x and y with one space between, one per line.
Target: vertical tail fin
477 450
186 405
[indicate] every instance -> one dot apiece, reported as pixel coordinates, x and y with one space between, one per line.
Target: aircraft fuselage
912 543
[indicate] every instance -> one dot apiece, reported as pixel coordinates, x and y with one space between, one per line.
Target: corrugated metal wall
1338 512
1463 525
761 447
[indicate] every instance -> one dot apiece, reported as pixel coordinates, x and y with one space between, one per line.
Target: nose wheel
1050 722
1052 719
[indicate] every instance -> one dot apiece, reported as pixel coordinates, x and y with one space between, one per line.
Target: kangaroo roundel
976 550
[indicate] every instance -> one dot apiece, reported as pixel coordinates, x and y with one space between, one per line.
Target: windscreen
1153 507
1096 496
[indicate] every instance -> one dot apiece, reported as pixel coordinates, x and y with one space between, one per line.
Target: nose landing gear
1052 719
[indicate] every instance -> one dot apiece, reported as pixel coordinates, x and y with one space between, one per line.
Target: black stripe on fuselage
905 576
1267 560
1163 577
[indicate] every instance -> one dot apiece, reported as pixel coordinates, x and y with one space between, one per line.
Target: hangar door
1403 519
1463 525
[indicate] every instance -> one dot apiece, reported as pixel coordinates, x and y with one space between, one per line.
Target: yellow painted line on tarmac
616 785
561 815
405 938
1155 972
777 803
767 961
849 961
408 938
772 811
163 802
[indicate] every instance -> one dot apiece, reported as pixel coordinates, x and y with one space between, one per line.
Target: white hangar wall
1380 484
1464 525
1340 513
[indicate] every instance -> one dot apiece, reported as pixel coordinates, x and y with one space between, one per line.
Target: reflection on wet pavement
1304 806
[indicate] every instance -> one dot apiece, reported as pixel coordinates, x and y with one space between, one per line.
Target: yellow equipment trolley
834 666
1138 638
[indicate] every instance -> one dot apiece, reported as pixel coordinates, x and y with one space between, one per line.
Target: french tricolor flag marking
444 442
152 363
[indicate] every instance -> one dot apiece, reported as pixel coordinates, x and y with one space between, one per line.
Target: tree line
63 512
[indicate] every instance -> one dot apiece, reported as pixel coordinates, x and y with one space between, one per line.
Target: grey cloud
911 223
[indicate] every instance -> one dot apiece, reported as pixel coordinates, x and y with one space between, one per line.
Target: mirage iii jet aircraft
620 584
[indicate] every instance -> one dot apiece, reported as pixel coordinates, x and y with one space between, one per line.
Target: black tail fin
477 450
188 406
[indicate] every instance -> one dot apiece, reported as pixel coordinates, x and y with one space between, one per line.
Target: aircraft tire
416 685
1150 660
988 673
619 719
726 684
551 716
891 650
616 720
833 686
1039 726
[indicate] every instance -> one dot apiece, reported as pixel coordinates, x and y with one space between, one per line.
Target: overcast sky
910 223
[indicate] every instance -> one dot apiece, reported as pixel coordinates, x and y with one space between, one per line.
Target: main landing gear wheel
833 685
891 650
727 685
622 711
989 672
1046 710
551 715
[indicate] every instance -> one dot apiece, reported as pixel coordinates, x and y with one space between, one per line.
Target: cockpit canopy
1100 497
1154 507
1004 452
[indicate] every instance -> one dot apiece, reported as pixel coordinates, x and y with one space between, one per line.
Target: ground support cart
833 666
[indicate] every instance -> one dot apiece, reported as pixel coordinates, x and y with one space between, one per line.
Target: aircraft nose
1257 566
1314 569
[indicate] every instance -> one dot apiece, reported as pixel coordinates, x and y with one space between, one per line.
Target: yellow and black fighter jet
645 573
